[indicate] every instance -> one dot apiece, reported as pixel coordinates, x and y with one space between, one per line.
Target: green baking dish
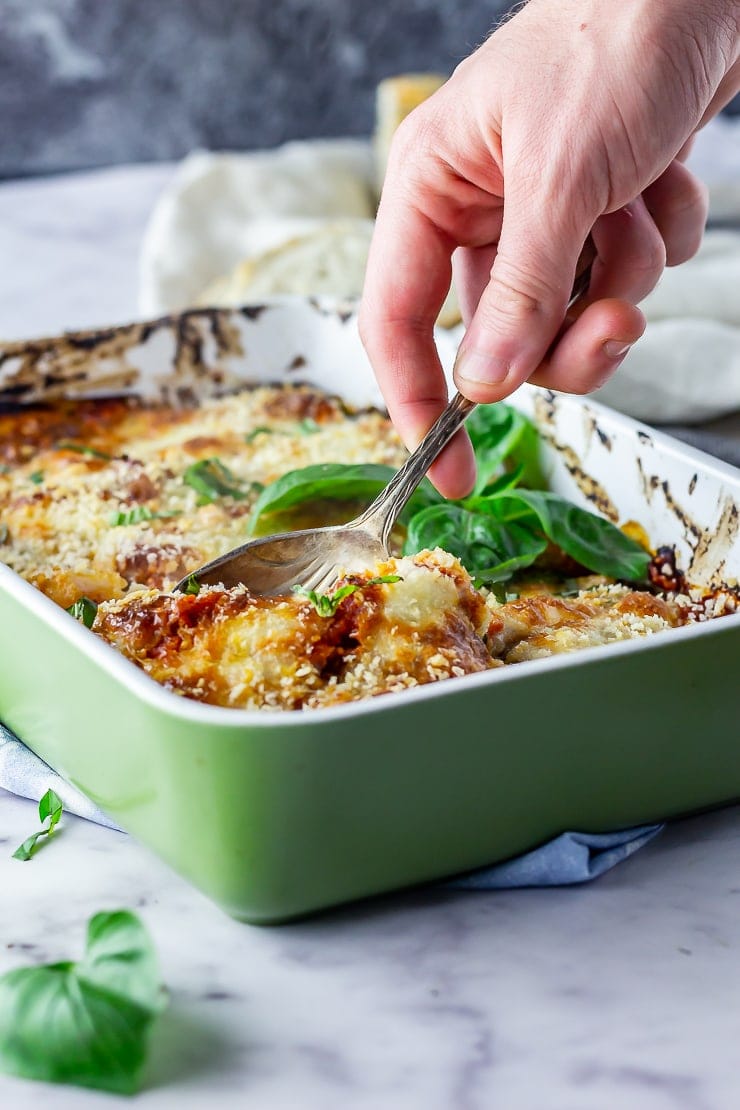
276 815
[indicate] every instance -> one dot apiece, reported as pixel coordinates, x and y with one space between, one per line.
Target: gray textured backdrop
93 82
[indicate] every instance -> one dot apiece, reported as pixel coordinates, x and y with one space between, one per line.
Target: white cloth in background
221 208
686 367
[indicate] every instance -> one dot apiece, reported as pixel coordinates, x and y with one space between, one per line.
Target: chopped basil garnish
309 427
192 586
326 605
82 449
84 610
261 430
211 479
50 809
137 515
86 1023
36 477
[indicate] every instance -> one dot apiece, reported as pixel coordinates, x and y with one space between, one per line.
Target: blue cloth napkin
23 773
570 858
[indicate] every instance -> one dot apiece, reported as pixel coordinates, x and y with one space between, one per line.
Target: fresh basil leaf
50 809
490 549
508 480
84 610
308 427
501 434
335 482
36 477
192 586
120 958
211 479
82 449
85 1023
589 539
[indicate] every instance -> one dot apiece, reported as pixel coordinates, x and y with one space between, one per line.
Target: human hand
572 118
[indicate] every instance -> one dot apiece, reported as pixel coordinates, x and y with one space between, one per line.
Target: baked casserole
106 504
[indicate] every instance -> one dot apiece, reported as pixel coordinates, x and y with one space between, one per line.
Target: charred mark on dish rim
593 428
691 529
712 548
343 311
545 407
603 437
296 364
592 490
647 488
644 437
253 311
99 358
692 483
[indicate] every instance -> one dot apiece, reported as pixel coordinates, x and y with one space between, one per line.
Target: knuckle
417 138
648 255
517 296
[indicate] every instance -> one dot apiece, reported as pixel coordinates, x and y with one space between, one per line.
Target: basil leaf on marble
85 1023
50 809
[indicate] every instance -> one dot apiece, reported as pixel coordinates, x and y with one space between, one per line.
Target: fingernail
476 366
615 348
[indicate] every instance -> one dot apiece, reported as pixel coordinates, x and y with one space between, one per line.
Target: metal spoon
315 557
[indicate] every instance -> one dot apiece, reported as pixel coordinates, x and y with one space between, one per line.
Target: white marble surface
619 994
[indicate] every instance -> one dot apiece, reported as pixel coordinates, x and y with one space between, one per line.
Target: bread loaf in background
329 256
395 98
329 259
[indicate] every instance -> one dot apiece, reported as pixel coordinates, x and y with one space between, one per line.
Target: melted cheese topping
70 473
232 649
534 627
56 503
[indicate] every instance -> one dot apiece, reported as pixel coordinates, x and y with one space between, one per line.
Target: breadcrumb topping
95 502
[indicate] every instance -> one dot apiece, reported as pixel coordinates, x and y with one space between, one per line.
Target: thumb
523 305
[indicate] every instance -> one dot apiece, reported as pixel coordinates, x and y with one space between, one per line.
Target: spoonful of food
315 557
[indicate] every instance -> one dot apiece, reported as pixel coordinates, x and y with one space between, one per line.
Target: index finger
407 279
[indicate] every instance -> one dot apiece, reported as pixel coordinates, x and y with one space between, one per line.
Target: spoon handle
388 505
